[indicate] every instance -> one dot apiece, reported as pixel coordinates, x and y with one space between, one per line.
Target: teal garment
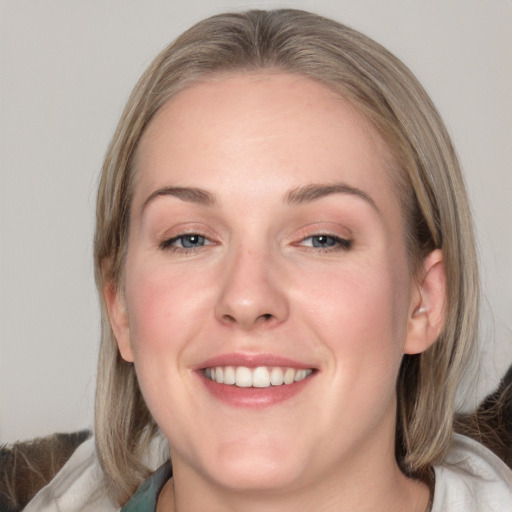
146 497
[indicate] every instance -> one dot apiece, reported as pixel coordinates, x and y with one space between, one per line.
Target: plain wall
66 71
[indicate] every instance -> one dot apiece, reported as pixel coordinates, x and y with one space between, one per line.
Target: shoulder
77 487
80 487
472 479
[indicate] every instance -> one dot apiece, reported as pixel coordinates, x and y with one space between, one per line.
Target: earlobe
427 307
118 317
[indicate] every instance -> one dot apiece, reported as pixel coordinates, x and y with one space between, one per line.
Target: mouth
259 377
255 380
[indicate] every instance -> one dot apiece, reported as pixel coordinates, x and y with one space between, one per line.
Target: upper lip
251 361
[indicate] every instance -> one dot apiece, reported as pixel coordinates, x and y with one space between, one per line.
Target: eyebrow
315 191
296 196
189 194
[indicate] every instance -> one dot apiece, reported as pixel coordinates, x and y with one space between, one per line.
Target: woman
285 258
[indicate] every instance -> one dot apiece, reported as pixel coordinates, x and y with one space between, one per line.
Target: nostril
246 321
229 318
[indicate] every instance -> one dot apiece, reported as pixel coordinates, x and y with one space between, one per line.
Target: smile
259 377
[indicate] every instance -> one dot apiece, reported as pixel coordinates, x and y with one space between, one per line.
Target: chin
263 470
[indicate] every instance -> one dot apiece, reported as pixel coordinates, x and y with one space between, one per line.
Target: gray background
67 68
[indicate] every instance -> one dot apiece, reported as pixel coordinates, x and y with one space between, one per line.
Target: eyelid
166 240
341 243
169 241
333 229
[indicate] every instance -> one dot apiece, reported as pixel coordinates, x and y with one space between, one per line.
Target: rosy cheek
163 305
352 309
148 307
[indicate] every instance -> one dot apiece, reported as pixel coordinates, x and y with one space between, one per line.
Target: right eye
185 243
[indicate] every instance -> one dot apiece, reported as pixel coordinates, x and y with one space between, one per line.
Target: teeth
243 377
276 377
229 375
289 376
260 377
300 375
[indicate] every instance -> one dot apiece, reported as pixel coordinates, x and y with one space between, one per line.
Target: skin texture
258 284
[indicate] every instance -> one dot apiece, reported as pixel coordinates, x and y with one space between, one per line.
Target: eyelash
168 245
337 243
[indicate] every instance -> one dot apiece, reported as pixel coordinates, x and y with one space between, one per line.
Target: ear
427 307
116 308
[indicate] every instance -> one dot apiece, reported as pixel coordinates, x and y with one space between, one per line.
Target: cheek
165 308
360 313
359 298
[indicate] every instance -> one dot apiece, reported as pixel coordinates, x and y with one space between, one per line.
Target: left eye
191 241
326 242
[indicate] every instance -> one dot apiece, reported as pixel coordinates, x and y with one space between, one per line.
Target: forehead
259 125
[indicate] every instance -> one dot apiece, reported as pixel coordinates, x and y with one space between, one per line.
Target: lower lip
254 397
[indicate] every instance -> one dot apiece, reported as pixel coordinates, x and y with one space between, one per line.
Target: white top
79 487
472 479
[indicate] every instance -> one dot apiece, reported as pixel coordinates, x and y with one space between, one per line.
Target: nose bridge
250 294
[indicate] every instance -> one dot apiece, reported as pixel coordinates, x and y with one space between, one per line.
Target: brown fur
491 423
25 467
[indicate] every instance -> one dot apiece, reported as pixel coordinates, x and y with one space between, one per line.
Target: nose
253 292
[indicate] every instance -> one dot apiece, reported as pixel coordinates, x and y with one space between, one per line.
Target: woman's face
266 246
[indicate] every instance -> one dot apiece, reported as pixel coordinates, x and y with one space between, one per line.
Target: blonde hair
428 179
